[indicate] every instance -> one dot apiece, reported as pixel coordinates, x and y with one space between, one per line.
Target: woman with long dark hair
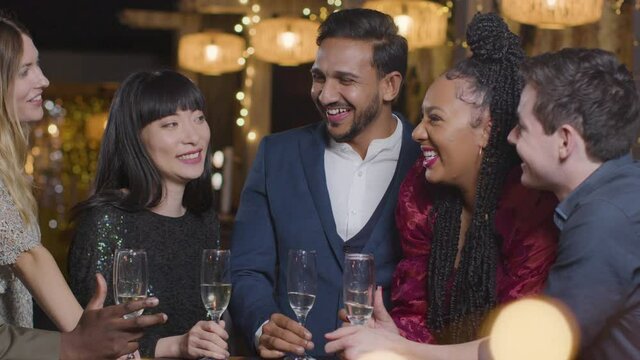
473 236
153 192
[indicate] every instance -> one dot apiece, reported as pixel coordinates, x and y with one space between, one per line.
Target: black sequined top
174 249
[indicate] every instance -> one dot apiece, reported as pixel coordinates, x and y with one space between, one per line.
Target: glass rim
302 251
215 250
358 256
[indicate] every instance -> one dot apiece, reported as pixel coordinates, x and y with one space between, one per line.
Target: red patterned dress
524 218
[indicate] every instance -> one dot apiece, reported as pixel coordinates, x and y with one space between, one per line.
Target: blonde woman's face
29 83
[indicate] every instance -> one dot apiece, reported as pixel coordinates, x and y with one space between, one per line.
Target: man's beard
360 122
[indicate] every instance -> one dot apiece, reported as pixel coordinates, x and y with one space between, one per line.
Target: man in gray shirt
579 116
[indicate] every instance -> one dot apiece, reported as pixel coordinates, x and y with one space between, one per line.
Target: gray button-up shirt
597 272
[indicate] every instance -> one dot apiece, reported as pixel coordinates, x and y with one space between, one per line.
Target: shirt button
353 212
360 173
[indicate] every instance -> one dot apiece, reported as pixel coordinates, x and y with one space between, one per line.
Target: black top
174 250
597 272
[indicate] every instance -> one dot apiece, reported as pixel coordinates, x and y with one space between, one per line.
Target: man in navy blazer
330 187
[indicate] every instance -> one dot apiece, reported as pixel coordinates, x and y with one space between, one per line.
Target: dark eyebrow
316 71
344 74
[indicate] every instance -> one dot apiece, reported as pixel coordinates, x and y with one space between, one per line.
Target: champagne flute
130 277
215 282
358 287
301 284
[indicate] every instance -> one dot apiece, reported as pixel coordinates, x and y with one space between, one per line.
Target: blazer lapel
312 153
408 155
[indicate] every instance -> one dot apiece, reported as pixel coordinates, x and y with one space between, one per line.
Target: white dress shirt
355 185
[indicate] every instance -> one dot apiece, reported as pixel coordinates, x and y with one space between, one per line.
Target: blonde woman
26 267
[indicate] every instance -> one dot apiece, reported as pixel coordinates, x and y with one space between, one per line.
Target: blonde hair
13 140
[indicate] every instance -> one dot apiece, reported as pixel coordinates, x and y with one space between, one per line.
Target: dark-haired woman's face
452 133
177 145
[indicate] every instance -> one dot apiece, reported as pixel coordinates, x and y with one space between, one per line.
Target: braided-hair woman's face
452 132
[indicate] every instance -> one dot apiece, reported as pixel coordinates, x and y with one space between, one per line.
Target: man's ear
391 84
568 141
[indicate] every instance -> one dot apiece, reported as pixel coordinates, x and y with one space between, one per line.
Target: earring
480 152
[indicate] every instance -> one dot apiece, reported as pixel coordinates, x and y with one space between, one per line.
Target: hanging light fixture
422 23
553 14
285 41
211 52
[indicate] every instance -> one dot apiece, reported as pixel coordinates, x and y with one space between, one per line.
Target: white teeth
189 156
430 154
36 98
336 111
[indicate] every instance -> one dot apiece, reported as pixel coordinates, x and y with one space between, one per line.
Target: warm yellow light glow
242 61
35 151
288 39
553 14
422 23
239 95
337 3
251 135
404 23
243 2
533 329
246 20
255 19
53 130
240 122
251 50
255 8
211 52
244 112
237 28
306 11
285 41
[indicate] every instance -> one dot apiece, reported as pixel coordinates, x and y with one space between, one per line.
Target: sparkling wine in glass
359 287
301 284
130 277
215 281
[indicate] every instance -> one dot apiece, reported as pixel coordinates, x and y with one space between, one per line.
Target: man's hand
282 335
103 333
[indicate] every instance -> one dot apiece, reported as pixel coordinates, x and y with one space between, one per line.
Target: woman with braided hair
473 237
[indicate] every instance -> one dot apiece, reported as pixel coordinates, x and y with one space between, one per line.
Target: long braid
493 73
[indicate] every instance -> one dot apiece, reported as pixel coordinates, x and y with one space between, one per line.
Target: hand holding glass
215 281
358 287
130 277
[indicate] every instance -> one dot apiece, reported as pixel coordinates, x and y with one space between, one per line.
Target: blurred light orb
218 159
532 329
216 181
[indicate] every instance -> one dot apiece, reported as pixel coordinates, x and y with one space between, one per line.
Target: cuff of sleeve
256 337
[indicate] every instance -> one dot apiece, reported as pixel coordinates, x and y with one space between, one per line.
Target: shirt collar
589 185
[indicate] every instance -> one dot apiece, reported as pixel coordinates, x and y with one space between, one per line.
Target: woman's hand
351 342
205 339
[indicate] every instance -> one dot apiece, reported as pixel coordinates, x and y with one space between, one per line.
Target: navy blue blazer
285 205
